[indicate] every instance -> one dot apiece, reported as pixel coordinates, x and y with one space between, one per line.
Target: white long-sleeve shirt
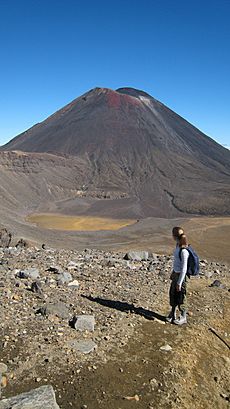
180 265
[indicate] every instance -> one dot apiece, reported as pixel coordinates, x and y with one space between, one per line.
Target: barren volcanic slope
122 145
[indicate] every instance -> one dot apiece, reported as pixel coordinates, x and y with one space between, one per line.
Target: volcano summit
119 154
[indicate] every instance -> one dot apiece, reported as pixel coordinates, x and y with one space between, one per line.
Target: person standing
177 292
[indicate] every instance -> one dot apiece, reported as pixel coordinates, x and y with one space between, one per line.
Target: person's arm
184 264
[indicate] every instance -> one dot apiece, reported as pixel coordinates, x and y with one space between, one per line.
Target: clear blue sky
52 51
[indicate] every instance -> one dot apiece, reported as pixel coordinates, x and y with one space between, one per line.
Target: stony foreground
92 325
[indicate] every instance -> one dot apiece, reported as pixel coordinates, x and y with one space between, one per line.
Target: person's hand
178 288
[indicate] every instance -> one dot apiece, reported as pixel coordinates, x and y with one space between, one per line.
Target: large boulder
58 309
64 278
32 273
83 322
40 398
137 255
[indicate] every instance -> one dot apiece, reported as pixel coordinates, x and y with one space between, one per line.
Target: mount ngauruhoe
115 153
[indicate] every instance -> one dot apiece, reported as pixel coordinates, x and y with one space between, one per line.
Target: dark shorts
177 298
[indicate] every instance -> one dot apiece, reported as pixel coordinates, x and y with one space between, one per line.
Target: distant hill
125 154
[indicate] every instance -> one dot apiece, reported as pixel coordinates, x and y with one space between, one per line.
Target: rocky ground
92 325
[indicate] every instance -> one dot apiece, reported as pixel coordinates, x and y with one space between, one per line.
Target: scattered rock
73 284
111 262
225 396
32 273
166 348
204 262
153 383
36 288
4 381
137 255
13 251
83 322
58 309
54 269
3 368
208 274
84 346
152 266
64 278
217 283
40 398
72 265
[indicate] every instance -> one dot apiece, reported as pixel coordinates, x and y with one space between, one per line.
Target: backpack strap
189 252
183 248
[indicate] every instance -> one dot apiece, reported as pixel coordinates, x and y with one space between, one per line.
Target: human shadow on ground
126 307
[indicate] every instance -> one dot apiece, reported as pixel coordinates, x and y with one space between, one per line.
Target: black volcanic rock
132 148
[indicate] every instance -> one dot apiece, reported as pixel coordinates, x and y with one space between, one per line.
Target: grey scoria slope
122 145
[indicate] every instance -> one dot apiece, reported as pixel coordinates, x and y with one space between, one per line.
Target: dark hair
177 232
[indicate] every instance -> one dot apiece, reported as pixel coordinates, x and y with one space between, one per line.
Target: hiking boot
181 320
171 317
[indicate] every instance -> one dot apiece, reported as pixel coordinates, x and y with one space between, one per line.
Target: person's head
177 232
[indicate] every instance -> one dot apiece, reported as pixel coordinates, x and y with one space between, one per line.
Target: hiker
177 292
